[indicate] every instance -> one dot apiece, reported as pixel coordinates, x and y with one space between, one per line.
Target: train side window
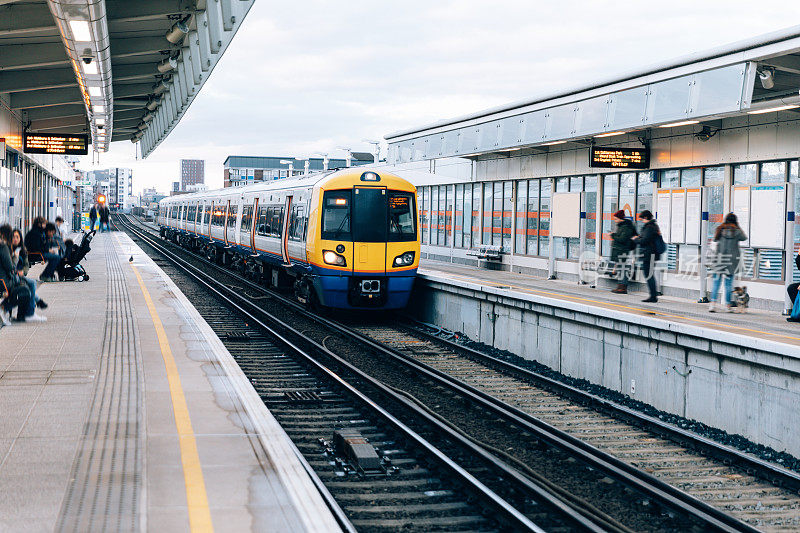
247 218
402 221
336 215
206 215
232 213
263 221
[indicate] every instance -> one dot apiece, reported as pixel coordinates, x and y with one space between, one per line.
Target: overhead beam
21 19
56 111
132 89
45 98
134 71
784 63
130 102
52 123
136 46
127 11
26 56
17 81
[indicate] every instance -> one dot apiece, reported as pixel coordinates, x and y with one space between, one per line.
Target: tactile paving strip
105 490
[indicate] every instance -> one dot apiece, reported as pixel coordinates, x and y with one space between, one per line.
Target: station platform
125 412
739 373
755 323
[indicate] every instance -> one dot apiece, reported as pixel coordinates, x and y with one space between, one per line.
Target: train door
370 221
225 223
285 233
210 221
253 224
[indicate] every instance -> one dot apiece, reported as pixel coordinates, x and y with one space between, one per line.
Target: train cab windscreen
369 214
336 215
402 221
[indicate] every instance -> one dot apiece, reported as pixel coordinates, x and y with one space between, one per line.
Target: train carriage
347 239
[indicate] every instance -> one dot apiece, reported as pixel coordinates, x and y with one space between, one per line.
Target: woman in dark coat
725 261
622 244
648 253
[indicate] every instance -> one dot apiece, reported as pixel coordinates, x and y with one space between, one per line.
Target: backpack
660 245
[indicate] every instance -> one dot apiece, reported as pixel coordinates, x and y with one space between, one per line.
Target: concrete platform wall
740 384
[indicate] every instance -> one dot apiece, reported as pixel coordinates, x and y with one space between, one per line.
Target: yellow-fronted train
346 239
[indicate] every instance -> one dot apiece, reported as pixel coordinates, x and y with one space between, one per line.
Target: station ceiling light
553 143
91 68
682 123
94 91
80 30
610 134
773 109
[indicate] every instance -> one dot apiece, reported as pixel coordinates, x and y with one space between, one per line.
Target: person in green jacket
622 245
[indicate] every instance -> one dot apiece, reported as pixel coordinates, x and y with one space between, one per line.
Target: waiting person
59 236
725 262
51 253
92 217
792 290
648 252
34 240
105 214
19 256
15 293
622 246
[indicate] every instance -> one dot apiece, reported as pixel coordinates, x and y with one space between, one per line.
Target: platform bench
487 251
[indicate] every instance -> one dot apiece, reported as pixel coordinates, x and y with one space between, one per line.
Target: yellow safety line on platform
718 325
196 497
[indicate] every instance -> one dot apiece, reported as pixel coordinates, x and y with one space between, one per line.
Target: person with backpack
651 246
14 293
622 244
105 214
724 262
792 290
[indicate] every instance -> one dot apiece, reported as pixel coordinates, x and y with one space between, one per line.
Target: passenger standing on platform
60 236
725 262
15 294
792 289
104 216
92 217
19 256
622 246
648 249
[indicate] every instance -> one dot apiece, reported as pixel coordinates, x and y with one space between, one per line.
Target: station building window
545 192
795 178
458 217
476 213
590 187
426 206
442 224
522 212
532 217
610 206
434 215
448 214
487 214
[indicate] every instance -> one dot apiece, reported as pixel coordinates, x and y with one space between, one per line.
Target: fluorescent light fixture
94 91
91 68
676 124
610 134
98 108
773 109
80 30
100 121
553 143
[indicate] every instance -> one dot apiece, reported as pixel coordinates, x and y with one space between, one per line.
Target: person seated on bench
34 240
19 256
51 252
15 293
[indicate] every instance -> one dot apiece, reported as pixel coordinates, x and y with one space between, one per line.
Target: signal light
101 198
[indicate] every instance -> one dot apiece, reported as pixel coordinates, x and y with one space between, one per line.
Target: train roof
323 179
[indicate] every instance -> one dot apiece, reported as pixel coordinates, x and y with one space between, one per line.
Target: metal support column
551 259
788 245
703 245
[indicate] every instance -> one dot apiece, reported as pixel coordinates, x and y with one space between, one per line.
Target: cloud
302 77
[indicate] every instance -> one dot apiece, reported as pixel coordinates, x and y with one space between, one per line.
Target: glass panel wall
458 220
448 215
545 187
774 172
560 243
487 213
434 215
795 178
466 223
744 174
610 206
714 179
426 205
590 186
532 232
522 215
442 208
508 210
476 213
497 214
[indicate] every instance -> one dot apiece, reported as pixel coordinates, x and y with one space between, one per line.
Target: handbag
796 308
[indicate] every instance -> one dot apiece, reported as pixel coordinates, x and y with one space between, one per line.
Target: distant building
116 184
193 172
243 170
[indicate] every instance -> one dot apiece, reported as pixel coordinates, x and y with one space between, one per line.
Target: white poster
767 229
694 209
565 220
741 208
678 216
663 207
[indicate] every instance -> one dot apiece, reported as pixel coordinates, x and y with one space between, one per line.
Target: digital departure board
619 157
35 143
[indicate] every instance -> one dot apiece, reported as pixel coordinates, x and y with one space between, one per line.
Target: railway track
408 483
514 396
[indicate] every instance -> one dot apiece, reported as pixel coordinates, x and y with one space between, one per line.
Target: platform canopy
758 75
116 69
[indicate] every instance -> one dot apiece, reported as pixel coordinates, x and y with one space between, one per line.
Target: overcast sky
310 76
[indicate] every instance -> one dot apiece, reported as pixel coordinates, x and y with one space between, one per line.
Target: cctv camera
87 59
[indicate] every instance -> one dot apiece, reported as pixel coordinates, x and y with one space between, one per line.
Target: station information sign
35 143
619 157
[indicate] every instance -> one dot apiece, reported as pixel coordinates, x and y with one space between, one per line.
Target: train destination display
619 157
34 143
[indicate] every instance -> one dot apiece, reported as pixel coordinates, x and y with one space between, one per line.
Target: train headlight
332 258
404 259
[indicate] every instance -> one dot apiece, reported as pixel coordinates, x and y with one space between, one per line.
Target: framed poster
741 208
694 208
768 228
677 230
663 211
565 220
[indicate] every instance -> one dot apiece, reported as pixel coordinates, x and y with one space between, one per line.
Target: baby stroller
70 269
